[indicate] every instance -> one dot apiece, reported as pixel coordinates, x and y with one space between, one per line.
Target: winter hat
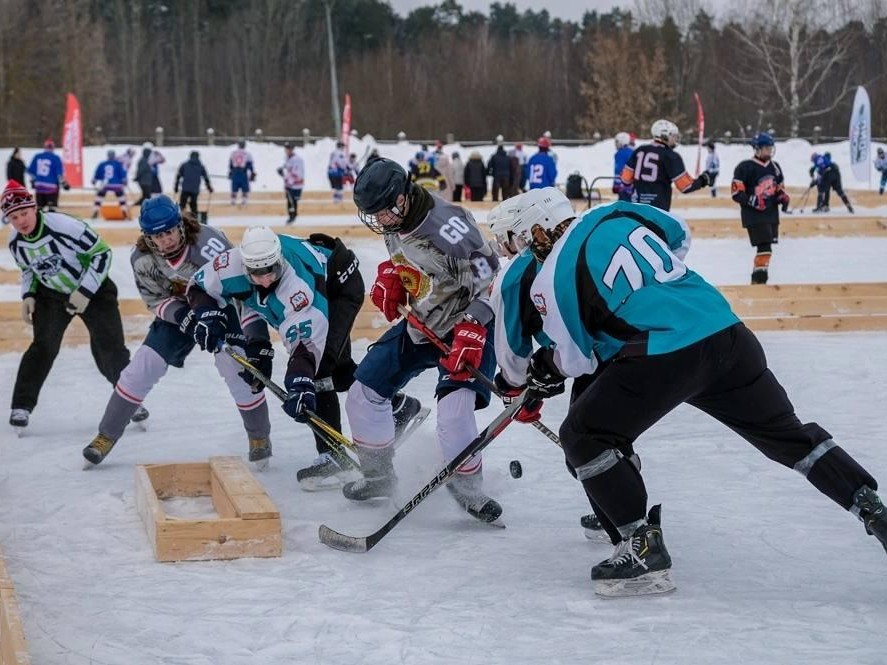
15 197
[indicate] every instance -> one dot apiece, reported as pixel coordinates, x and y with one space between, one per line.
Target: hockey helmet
622 139
763 145
376 190
543 216
111 154
501 219
814 157
666 131
241 144
161 215
261 252
880 152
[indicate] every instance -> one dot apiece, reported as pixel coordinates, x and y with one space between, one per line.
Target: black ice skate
97 451
639 565
870 509
260 453
371 487
18 418
467 491
594 530
324 474
140 416
408 415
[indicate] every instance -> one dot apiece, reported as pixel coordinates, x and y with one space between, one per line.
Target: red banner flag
72 143
346 122
700 125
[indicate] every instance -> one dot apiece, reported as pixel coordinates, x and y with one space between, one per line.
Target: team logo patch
48 266
221 261
299 301
539 303
416 283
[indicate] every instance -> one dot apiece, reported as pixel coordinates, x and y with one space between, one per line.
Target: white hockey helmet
666 131
501 218
261 252
622 139
546 208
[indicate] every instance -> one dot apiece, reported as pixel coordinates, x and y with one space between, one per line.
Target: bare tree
787 61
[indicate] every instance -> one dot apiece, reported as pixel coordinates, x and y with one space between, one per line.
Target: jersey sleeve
210 280
95 257
151 286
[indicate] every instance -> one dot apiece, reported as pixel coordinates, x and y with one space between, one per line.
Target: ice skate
97 451
379 480
260 453
870 509
639 566
18 418
324 474
408 415
593 528
140 417
468 493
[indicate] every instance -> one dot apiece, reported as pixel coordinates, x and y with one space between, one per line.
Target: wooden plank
828 306
147 504
179 479
201 540
223 503
241 487
819 323
804 290
13 645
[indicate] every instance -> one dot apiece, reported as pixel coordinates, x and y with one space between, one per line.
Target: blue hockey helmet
814 157
161 215
761 140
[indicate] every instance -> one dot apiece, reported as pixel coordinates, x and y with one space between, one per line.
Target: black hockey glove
260 355
543 378
210 329
299 384
186 321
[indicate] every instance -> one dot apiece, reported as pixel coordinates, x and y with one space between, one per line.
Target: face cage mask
505 245
371 221
169 253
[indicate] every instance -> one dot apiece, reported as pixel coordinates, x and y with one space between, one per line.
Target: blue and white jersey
110 173
541 170
620 158
517 322
46 172
240 163
297 307
615 283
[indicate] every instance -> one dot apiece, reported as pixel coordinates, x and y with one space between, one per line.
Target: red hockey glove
530 412
388 292
783 199
467 349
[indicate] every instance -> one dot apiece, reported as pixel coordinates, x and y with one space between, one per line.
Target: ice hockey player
47 174
110 177
712 166
310 291
336 170
541 167
293 173
441 264
171 248
65 267
758 188
424 174
188 178
653 167
610 288
826 176
518 324
881 167
622 141
241 172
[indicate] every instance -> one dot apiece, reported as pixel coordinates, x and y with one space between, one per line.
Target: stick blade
342 542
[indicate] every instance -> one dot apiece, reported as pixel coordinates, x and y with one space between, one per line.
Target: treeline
235 67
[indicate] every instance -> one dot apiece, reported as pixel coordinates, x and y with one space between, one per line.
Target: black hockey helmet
376 189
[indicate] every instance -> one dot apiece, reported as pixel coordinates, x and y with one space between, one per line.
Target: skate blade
597 535
645 585
261 465
321 484
18 431
417 420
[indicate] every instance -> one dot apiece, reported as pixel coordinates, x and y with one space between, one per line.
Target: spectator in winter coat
458 169
880 165
541 166
476 176
15 167
145 175
499 167
189 175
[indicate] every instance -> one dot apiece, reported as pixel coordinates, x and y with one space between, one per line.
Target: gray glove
77 303
28 306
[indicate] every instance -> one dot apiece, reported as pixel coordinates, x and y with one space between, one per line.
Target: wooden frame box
248 523
13 647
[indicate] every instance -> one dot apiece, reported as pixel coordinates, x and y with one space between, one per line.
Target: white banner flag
861 135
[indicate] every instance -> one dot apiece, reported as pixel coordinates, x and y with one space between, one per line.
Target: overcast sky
566 9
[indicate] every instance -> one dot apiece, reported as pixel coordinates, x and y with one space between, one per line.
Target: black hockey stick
361 544
804 198
479 376
337 441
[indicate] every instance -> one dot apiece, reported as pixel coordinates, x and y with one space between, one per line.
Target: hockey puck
515 469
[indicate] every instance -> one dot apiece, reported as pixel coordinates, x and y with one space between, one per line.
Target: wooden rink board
812 307
248 523
13 645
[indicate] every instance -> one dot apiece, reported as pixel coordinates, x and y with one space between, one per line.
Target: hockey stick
337 441
419 325
804 199
361 544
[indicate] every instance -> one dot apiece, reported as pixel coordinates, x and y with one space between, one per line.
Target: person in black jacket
188 178
145 176
15 167
476 176
499 167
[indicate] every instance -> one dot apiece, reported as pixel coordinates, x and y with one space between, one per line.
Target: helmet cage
173 252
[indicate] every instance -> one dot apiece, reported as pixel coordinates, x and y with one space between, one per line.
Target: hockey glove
530 412
467 349
260 355
388 291
28 306
280 171
783 199
300 397
186 321
77 303
65 185
210 329
544 380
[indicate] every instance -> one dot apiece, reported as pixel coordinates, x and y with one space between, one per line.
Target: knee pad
144 370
